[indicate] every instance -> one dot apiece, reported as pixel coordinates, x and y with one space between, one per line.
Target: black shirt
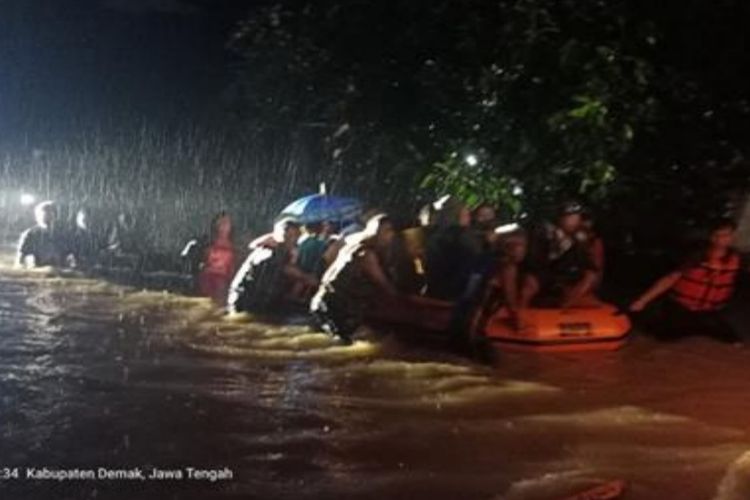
49 247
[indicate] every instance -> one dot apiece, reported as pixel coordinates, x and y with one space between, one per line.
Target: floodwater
99 375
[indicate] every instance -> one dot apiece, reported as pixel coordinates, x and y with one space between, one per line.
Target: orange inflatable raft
592 326
595 326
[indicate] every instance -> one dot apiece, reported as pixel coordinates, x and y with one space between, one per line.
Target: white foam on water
735 485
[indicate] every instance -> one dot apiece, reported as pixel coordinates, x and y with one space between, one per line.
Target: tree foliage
566 98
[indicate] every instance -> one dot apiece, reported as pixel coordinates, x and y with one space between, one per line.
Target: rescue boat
594 326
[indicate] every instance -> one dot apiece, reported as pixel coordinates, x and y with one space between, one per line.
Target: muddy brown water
94 374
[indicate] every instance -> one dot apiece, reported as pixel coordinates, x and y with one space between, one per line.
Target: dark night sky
70 64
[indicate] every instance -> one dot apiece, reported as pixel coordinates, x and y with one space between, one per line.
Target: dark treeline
638 108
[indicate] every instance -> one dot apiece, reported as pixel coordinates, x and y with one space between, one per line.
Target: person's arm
375 272
657 290
25 255
584 286
332 251
293 272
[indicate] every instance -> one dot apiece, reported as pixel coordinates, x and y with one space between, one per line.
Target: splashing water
95 373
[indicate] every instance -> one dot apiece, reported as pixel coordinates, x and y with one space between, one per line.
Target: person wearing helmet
561 259
44 244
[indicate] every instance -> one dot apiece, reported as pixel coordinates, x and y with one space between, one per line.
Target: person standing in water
699 290
509 282
355 279
86 243
45 244
219 261
266 279
124 242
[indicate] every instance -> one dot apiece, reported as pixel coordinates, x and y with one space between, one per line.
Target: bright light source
507 228
472 160
27 199
440 203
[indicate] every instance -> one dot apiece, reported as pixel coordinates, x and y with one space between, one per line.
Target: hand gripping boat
594 326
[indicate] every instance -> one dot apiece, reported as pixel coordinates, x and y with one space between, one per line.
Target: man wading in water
44 244
699 290
355 279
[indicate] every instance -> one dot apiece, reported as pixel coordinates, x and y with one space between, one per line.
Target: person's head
722 234
287 231
221 226
451 212
380 230
314 228
485 216
514 245
570 217
328 228
45 214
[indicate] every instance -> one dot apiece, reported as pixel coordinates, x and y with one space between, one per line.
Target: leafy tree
567 98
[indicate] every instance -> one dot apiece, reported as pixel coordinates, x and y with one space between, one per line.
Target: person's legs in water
470 300
669 322
673 322
713 324
332 320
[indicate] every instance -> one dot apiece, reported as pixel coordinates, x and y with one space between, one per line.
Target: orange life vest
707 286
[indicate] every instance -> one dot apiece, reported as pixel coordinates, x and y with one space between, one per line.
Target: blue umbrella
321 208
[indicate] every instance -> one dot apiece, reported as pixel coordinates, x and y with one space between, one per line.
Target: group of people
55 242
462 256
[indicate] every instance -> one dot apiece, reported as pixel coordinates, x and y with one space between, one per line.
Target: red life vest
707 286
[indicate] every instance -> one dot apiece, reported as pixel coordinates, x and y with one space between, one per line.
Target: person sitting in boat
511 285
264 281
699 290
355 280
561 260
45 244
